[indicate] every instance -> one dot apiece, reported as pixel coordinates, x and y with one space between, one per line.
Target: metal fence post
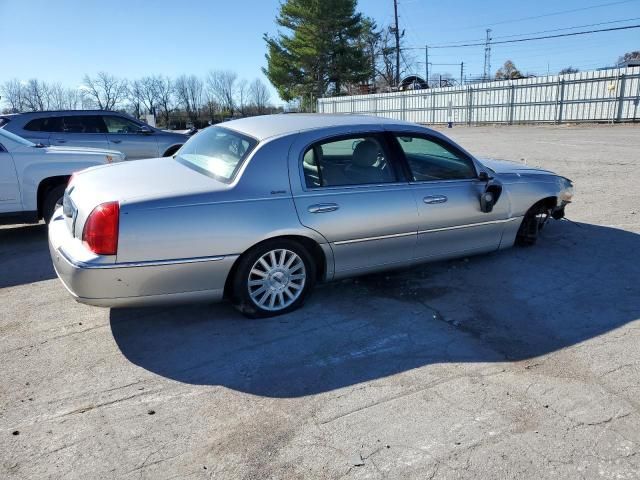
560 101
621 97
404 106
469 105
511 99
433 108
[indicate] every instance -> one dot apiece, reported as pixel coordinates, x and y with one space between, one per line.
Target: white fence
611 95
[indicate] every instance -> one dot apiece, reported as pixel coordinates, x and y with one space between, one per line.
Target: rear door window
47 124
357 160
83 124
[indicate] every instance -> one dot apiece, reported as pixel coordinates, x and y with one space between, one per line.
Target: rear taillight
100 232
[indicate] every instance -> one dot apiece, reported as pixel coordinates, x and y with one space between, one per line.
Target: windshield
15 138
216 152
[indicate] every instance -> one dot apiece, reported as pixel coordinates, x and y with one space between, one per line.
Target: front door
447 191
9 185
125 136
353 195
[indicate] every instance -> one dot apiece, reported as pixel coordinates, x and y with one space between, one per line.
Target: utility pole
461 71
397 32
487 56
426 64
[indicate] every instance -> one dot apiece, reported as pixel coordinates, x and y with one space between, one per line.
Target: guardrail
611 95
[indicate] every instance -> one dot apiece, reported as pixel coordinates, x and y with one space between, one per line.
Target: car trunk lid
129 182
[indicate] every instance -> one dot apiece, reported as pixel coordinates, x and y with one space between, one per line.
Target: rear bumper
135 284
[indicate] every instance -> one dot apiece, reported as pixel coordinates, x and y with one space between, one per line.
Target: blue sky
61 40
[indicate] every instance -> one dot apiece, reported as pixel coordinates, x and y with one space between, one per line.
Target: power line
518 40
541 31
573 10
569 28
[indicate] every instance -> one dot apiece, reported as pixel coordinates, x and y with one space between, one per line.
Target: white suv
33 177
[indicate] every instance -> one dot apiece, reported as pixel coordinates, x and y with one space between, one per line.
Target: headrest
313 157
365 154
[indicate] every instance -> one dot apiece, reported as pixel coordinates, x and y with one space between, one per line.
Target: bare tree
13 93
189 93
568 70
629 57
58 97
165 98
106 90
134 94
222 85
37 95
259 94
74 99
61 98
508 71
150 88
242 96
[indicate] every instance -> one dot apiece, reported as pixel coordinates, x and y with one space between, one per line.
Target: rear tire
52 200
273 278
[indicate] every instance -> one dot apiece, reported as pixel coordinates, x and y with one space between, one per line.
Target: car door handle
60 140
435 199
116 141
323 207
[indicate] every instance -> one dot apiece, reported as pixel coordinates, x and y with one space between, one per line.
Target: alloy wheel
276 279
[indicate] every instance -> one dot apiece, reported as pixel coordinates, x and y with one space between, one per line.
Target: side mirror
145 130
491 194
484 176
487 201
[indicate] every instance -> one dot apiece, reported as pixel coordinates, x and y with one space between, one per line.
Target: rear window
47 124
216 152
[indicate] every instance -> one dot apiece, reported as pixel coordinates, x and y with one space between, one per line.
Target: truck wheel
52 200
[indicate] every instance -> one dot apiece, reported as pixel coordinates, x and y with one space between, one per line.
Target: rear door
38 130
125 136
447 192
352 193
80 131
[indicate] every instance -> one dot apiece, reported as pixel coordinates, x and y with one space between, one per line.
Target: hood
150 179
508 166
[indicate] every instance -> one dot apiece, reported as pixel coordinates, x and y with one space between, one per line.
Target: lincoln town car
258 210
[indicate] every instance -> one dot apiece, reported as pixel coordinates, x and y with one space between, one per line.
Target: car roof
267 126
43 113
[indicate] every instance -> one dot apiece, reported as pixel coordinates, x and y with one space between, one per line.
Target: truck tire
51 201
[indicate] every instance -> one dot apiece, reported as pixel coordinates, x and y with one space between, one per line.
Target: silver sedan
260 209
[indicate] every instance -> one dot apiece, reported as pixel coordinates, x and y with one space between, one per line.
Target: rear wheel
52 201
532 224
273 278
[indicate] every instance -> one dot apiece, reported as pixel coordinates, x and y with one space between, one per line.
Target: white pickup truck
33 177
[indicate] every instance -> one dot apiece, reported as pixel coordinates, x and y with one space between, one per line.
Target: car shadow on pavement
24 255
579 282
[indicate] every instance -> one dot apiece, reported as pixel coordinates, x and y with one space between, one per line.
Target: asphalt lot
521 364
